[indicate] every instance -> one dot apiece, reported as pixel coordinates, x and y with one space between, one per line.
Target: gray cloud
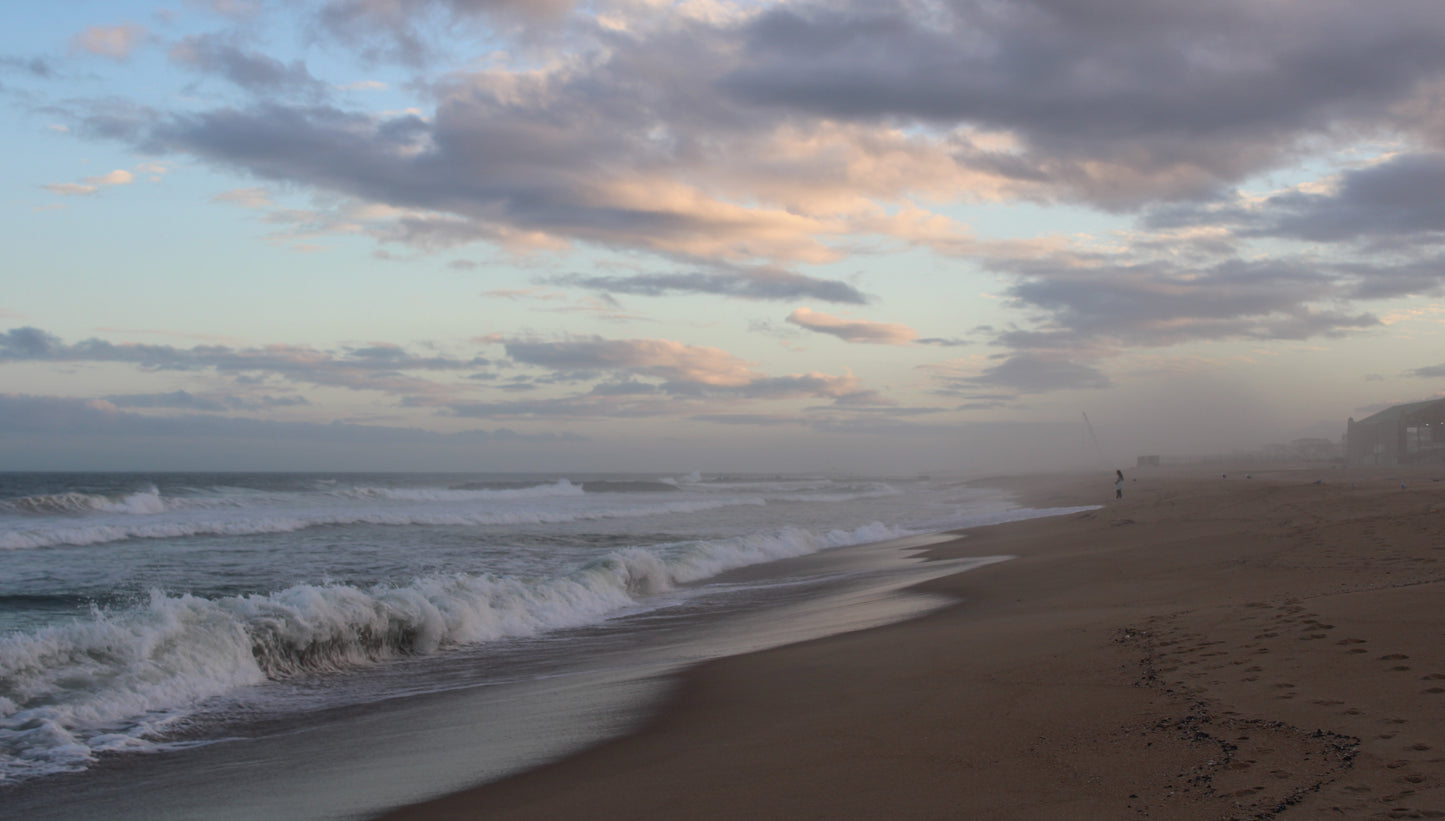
1177 98
625 406
375 368
1157 303
761 420
33 66
209 402
743 283
1397 199
687 380
24 414
1038 373
252 71
658 358
666 137
398 30
1431 372
1392 205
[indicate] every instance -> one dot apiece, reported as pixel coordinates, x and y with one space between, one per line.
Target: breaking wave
139 503
116 681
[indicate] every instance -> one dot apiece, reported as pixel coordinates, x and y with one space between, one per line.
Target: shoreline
1203 648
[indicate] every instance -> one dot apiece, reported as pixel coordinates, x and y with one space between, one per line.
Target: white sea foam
18 535
561 487
117 680
139 503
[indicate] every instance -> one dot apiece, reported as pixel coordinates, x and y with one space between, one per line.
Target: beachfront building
1405 434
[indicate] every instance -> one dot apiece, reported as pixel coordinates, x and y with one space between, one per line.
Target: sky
899 236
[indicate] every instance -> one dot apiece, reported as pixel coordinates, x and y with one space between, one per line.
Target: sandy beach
1208 647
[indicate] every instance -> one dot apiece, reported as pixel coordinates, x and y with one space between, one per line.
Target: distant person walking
1118 484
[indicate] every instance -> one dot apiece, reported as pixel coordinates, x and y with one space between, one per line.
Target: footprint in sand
1357 788
1434 691
1350 641
1401 812
1394 657
1357 651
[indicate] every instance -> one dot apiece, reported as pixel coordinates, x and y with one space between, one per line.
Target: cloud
251 71
808 384
862 331
246 197
1431 372
34 66
183 400
235 9
659 358
1157 303
642 378
117 177
91 185
1115 103
1038 373
375 368
71 189
797 133
1398 199
751 283
22 415
208 402
115 42
398 29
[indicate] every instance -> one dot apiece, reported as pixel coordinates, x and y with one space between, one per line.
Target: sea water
237 626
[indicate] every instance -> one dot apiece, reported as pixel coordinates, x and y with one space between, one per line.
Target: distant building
1402 435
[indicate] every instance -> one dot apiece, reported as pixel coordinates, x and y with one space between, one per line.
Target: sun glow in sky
898 235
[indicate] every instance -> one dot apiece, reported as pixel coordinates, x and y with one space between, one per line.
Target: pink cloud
858 330
115 42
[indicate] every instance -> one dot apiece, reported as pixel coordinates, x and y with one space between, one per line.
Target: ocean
326 646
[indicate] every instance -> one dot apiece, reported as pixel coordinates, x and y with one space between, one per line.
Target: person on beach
1119 484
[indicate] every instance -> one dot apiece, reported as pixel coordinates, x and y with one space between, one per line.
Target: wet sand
1204 648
